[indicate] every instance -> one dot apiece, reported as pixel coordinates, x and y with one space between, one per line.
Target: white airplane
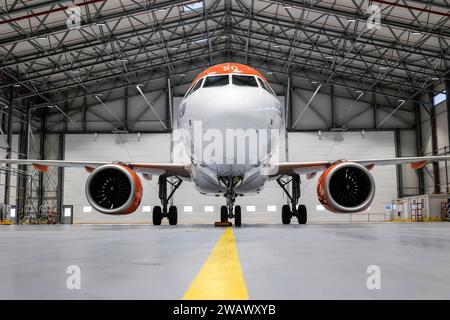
230 97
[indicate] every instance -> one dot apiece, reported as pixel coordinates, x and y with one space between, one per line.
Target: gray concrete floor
325 261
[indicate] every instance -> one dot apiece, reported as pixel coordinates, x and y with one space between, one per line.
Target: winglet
311 175
147 176
88 169
40 167
418 165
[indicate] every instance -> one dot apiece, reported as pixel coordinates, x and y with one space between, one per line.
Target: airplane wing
311 168
177 169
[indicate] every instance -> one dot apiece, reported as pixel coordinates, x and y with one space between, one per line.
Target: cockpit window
244 81
265 86
197 86
216 81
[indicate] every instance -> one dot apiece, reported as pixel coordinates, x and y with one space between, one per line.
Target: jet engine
114 189
346 187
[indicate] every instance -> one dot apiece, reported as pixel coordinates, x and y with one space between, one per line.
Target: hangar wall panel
427 147
109 147
155 147
13 167
442 143
409 149
332 146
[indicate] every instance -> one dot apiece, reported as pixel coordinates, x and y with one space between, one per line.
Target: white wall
408 148
349 146
150 148
155 148
442 142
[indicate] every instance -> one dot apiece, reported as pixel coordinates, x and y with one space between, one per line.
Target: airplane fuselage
232 129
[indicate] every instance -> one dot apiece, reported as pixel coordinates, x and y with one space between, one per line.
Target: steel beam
169 104
447 92
434 143
21 189
419 145
288 104
6 198
332 105
398 154
125 109
42 157
61 156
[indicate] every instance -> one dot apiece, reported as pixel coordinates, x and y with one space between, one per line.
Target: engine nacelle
346 187
114 189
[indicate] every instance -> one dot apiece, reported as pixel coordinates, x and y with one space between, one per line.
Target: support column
61 156
6 198
41 157
288 104
23 149
419 145
374 106
125 110
288 117
447 90
169 105
434 143
332 104
83 111
398 154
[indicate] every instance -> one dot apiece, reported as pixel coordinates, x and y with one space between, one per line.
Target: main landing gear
171 213
287 212
230 211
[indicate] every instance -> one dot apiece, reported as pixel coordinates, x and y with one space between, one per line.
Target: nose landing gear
287 212
230 211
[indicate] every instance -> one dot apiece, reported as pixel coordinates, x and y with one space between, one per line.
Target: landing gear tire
223 214
237 216
302 214
172 215
157 215
286 214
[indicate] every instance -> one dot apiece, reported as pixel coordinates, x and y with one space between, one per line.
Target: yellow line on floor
220 278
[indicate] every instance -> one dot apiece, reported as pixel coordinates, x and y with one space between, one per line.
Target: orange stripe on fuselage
230 67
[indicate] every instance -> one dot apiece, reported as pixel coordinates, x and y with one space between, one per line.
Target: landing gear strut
287 212
230 211
171 213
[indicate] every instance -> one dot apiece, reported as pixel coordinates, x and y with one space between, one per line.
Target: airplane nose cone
232 108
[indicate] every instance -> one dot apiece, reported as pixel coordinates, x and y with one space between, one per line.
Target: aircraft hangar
88 82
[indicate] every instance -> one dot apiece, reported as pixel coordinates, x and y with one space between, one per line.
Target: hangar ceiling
124 43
